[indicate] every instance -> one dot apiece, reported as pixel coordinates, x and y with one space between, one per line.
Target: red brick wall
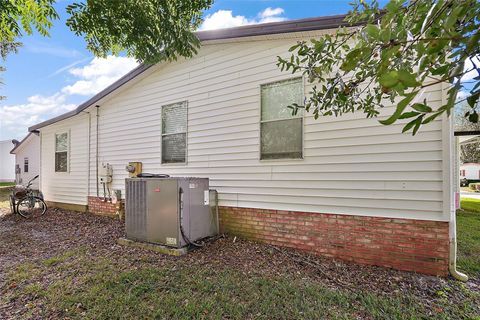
404 244
98 206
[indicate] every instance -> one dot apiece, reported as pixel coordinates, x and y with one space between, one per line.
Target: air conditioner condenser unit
173 211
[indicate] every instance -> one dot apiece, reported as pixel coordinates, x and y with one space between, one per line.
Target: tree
470 153
149 30
392 54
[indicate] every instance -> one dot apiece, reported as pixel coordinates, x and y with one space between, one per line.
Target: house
7 162
27 159
343 187
470 171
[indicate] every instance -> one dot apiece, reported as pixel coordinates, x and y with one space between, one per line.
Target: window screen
281 133
61 152
25 165
174 132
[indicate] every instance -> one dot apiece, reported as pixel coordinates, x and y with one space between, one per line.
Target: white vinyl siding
28 150
174 133
281 132
71 186
351 165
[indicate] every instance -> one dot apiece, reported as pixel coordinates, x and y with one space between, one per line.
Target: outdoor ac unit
169 211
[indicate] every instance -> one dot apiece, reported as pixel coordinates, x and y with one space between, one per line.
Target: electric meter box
105 173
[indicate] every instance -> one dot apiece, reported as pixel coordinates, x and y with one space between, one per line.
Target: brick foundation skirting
404 244
96 205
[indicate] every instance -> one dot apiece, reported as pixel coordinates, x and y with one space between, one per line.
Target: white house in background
343 187
27 159
470 171
7 162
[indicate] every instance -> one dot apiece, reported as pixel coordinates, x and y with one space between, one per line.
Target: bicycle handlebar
31 180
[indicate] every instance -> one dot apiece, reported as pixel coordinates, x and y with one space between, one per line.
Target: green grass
6 184
470 204
102 290
468 237
4 194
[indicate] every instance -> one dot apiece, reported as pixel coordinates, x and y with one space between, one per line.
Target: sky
50 76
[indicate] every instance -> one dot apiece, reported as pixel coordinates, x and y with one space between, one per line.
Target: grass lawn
6 184
470 204
97 289
4 193
468 233
73 269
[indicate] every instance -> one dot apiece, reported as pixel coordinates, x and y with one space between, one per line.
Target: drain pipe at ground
452 265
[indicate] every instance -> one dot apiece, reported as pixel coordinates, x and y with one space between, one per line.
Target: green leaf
410 114
400 108
421 107
473 117
389 79
409 125
472 100
407 78
372 31
351 60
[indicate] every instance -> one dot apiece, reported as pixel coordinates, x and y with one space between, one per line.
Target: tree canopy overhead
149 30
393 54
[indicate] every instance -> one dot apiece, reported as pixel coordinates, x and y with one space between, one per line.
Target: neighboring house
27 159
7 162
343 187
470 171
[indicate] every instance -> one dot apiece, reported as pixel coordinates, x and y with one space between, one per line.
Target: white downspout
452 265
450 185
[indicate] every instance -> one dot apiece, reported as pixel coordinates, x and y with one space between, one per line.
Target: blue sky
50 76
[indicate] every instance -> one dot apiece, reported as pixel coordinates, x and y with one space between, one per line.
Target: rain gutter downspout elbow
452 264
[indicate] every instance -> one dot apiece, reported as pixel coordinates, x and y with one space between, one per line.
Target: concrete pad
154 247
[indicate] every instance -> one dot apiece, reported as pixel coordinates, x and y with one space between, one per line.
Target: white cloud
469 65
270 12
98 74
225 19
91 79
15 119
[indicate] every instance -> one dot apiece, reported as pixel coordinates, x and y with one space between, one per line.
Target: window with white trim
25 165
281 132
61 152
174 132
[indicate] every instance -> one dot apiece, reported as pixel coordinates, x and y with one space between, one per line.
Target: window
174 133
61 152
281 132
25 165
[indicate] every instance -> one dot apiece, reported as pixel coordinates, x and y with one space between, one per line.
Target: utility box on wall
169 211
105 173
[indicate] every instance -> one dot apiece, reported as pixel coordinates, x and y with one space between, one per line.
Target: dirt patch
43 241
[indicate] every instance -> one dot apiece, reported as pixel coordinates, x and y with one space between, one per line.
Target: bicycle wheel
31 207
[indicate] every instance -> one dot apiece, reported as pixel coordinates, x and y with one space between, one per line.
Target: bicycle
26 202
